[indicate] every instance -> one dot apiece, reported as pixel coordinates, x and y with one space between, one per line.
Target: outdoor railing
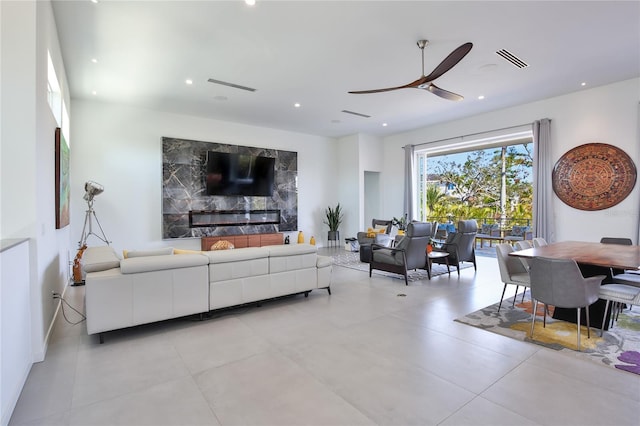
506 223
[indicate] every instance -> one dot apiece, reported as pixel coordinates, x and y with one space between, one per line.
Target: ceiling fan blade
416 83
443 93
450 61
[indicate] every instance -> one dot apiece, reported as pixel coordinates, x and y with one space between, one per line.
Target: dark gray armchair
460 245
408 254
364 239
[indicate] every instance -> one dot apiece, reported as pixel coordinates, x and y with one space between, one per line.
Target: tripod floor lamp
91 190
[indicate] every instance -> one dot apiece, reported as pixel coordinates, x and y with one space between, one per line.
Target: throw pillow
486 229
183 251
222 245
519 231
143 253
380 229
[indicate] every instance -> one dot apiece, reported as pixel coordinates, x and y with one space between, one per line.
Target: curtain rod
472 134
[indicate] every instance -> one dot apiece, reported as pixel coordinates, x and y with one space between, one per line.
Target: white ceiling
314 52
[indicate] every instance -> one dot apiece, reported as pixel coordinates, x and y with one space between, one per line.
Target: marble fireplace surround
183 190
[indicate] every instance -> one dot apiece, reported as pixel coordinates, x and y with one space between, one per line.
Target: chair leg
523 293
502 297
604 318
578 329
406 280
533 316
586 311
544 316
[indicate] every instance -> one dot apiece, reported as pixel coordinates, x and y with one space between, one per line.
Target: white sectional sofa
153 287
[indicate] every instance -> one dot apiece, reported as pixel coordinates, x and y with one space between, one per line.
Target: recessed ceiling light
94 93
189 81
481 97
94 1
384 124
297 105
584 83
94 60
250 2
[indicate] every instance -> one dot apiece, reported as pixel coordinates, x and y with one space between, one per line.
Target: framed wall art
594 176
63 194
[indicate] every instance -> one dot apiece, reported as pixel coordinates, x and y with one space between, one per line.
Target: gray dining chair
524 245
539 242
619 294
559 282
621 276
512 271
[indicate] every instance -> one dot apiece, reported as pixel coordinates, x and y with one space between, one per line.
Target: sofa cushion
291 249
146 253
247 253
133 265
95 259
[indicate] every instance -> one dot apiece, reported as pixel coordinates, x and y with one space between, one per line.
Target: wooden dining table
593 259
615 256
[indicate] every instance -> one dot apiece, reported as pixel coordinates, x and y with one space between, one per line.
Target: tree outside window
491 185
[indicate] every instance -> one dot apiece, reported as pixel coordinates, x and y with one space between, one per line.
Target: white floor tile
373 352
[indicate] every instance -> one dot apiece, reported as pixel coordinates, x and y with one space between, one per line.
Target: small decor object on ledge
312 240
300 237
287 240
222 245
401 223
594 176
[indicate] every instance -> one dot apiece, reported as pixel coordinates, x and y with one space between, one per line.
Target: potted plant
333 220
401 224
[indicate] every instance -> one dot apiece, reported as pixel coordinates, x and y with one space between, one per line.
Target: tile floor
374 352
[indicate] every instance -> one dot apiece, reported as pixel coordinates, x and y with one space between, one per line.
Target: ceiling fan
424 82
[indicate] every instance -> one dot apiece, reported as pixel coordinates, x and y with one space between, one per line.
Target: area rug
351 260
619 347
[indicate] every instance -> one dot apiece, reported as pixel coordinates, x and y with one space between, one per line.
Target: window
55 99
54 94
487 178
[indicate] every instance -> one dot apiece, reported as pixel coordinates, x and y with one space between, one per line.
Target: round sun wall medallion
594 176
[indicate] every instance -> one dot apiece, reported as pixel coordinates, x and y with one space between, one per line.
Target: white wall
27 207
607 114
15 341
120 147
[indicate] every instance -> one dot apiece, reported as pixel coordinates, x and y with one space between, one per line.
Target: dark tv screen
239 174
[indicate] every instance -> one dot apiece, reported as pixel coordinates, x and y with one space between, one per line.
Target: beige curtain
409 182
543 216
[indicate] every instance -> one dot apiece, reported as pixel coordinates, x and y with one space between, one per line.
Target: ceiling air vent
511 58
235 86
356 113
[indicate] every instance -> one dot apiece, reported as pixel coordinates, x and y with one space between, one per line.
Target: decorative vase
300 237
312 240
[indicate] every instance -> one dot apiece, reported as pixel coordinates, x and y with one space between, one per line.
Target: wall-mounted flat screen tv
239 174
